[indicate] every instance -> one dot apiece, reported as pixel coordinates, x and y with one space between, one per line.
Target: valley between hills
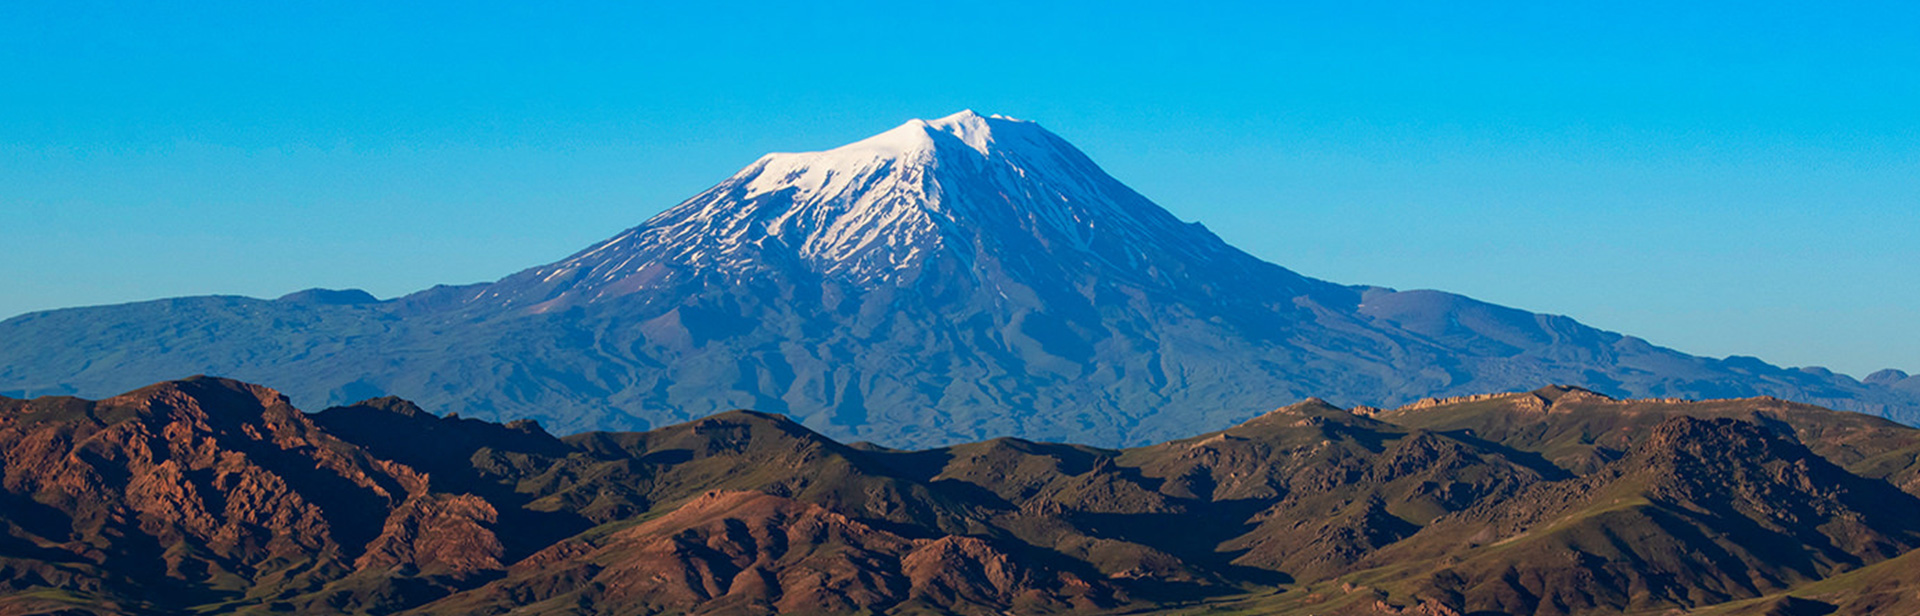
208 495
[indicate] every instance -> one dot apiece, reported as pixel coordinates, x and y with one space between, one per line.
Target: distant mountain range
209 495
944 281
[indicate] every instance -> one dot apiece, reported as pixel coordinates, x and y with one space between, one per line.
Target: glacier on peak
917 135
916 143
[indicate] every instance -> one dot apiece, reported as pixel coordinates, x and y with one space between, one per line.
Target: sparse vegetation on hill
214 496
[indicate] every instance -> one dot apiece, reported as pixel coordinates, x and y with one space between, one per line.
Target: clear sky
1721 178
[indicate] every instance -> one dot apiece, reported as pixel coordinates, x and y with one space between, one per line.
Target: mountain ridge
215 495
944 281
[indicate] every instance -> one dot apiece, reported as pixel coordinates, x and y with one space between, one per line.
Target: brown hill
1700 512
1885 588
755 553
208 491
1580 430
216 496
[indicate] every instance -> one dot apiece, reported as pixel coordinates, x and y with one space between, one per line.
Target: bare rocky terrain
210 495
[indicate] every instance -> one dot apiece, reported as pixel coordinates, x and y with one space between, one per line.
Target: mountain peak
984 134
957 193
902 158
920 142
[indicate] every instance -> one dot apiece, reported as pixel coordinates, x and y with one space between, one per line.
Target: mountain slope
1884 588
755 553
214 496
944 281
207 491
1581 431
1700 512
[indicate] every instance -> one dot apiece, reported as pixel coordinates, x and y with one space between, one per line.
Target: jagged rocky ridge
944 281
218 496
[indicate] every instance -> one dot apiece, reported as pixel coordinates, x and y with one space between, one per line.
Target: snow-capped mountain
943 281
878 211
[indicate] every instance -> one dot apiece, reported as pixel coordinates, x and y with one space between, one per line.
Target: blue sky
1721 178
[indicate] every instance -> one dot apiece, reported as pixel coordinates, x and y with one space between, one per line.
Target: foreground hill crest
210 495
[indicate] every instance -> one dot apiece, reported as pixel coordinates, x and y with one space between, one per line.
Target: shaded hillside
1580 430
212 492
945 281
215 495
1885 588
1701 512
